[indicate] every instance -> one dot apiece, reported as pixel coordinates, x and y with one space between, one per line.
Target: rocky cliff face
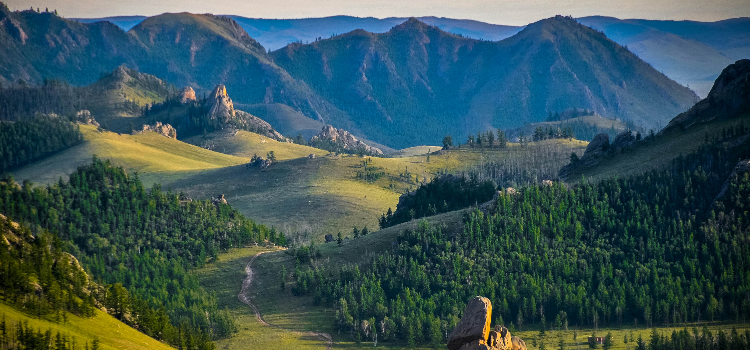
344 139
729 97
473 331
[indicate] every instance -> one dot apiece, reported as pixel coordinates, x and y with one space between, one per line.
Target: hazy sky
512 12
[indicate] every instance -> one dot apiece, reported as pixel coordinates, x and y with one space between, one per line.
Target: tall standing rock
474 324
222 108
187 95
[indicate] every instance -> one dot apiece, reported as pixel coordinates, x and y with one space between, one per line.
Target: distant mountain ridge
417 77
667 45
411 85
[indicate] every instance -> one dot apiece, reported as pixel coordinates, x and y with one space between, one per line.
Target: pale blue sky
511 12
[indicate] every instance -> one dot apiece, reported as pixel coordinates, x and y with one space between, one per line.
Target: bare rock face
187 95
347 141
474 324
473 331
159 128
221 107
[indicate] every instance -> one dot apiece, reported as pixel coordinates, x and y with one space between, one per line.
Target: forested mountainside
417 77
664 247
391 96
143 242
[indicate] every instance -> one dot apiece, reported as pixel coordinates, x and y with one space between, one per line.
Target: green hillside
246 144
111 333
309 198
155 157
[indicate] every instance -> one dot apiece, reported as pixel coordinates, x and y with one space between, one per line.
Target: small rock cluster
345 139
259 162
159 128
84 117
473 331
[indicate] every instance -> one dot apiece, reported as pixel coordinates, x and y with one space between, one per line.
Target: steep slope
38 46
124 22
721 118
417 77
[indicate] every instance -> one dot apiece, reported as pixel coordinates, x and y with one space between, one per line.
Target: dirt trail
246 299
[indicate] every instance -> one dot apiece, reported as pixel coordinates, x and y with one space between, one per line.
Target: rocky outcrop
259 162
345 140
474 325
221 114
84 117
187 95
220 106
219 200
729 97
599 148
159 128
473 330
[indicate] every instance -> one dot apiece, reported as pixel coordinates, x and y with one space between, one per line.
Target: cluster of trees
20 335
486 139
147 240
442 194
658 248
28 140
703 340
549 132
369 172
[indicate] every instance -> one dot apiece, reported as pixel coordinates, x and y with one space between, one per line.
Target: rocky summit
473 331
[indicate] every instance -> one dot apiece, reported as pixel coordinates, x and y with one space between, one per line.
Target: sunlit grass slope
155 157
308 198
112 333
415 151
246 144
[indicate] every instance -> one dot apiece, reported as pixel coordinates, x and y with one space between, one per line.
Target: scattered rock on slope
473 331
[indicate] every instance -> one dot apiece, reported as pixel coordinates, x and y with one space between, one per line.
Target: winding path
246 300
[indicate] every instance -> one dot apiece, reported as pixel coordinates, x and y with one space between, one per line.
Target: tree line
20 335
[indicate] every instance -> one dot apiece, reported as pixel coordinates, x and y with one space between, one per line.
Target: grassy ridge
246 144
153 156
112 333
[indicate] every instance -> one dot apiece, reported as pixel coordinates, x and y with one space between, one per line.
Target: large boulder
474 324
623 140
595 151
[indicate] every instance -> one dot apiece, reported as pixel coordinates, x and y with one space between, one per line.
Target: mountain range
409 86
669 46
